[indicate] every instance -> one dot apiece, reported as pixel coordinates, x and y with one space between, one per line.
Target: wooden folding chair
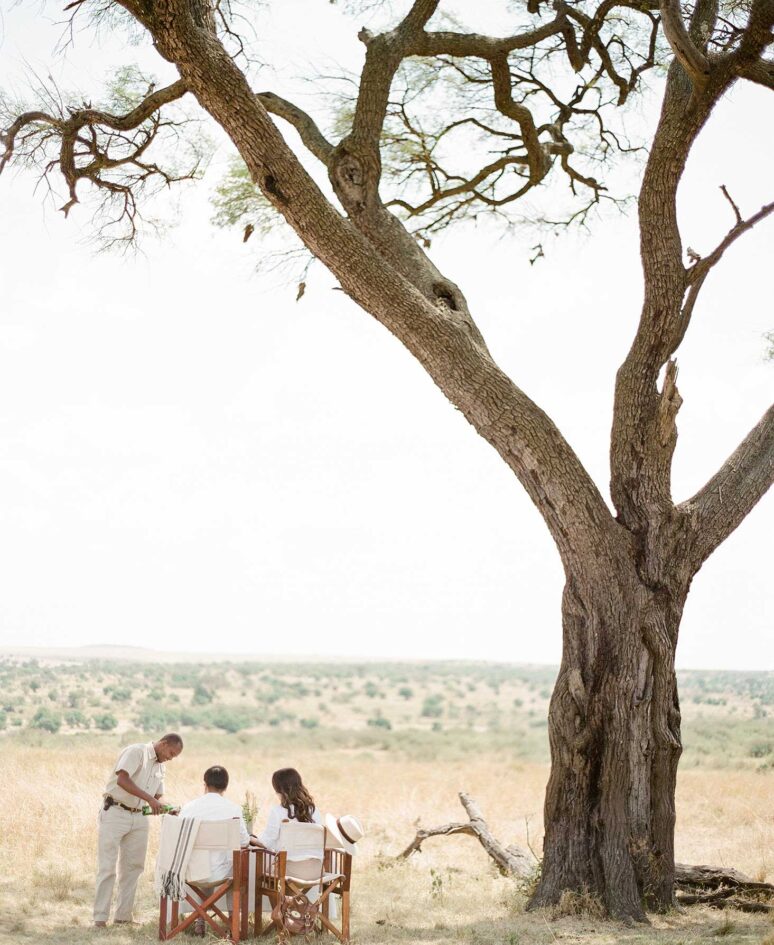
204 896
306 851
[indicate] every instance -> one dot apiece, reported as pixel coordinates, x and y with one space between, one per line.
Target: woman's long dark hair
296 800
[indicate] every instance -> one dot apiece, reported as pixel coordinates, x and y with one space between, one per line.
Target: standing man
137 779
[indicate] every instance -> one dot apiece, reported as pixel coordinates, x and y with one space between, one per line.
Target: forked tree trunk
614 729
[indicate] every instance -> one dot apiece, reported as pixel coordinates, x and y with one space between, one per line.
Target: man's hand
155 805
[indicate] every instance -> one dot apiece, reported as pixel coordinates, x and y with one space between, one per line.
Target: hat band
343 832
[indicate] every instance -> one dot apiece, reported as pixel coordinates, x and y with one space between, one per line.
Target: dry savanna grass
448 893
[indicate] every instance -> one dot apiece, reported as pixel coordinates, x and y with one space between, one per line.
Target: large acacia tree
514 111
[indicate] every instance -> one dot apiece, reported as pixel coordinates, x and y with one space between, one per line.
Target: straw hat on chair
345 830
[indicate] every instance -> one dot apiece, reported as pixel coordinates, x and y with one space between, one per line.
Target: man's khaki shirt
142 766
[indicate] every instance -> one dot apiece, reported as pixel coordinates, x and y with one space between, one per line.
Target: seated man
212 805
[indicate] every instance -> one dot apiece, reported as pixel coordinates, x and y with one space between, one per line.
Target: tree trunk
614 729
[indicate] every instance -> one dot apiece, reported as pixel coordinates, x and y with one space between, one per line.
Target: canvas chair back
213 836
218 835
304 845
321 868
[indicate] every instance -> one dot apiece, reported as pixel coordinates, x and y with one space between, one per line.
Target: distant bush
105 722
76 719
269 698
308 723
371 689
406 692
121 694
193 718
201 695
432 707
154 718
708 700
379 721
230 719
47 720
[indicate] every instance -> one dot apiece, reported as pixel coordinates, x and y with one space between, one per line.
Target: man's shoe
100 925
199 928
125 922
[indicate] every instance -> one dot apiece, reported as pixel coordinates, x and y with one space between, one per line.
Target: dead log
723 899
713 877
446 830
511 860
718 887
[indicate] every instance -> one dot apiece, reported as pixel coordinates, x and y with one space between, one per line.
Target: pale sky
191 460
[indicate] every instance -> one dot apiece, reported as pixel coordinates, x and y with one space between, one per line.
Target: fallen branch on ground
706 885
511 860
713 877
723 899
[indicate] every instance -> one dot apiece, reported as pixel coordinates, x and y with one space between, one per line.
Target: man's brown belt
112 802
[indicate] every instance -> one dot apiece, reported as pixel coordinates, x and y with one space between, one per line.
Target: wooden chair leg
345 915
163 919
236 898
259 910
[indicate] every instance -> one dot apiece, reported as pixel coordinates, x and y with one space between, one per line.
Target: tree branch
722 504
133 119
690 58
307 129
93 144
477 45
699 272
640 453
511 861
430 319
760 72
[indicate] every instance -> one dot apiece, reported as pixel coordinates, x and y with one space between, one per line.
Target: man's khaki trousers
123 842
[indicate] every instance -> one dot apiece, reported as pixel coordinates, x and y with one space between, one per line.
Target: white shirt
270 836
213 806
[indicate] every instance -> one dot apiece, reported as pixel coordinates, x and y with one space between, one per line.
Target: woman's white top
270 836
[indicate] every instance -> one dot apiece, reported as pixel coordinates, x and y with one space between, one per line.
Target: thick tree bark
614 729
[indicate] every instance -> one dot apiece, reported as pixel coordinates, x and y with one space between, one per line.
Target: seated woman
295 803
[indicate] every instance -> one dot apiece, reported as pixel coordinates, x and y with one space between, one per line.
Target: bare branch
699 272
511 861
760 72
133 119
304 124
691 59
478 45
722 504
734 207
